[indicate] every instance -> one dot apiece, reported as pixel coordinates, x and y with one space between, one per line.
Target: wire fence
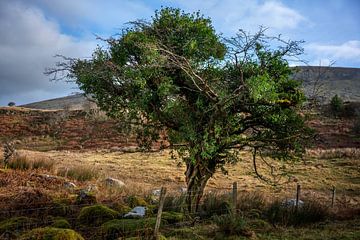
22 217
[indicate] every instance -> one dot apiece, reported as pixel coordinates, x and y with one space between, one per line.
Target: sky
32 32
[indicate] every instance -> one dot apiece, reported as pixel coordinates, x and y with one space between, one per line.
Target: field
37 186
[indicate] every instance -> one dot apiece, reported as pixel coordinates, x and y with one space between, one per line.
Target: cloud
28 43
347 51
230 15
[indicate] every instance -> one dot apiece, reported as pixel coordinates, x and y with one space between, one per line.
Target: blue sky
33 31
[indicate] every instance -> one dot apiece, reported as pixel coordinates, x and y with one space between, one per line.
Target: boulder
136 212
113 182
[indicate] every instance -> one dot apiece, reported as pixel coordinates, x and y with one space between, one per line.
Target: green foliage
50 233
173 217
127 227
96 215
336 105
175 73
16 224
61 223
134 201
310 212
231 224
215 204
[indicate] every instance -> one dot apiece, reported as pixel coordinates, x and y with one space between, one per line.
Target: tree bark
197 176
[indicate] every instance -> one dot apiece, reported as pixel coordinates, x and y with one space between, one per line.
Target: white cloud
230 15
327 53
27 45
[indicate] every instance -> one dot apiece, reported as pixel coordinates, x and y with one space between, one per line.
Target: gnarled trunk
197 176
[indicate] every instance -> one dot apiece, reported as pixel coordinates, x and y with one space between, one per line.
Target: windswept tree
212 96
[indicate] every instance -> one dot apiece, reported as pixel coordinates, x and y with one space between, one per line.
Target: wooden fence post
234 196
333 197
158 217
297 196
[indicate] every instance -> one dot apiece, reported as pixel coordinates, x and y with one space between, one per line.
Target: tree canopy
210 95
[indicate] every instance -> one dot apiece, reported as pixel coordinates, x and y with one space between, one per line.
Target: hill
72 102
344 82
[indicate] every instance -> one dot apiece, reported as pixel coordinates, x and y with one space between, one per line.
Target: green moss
121 208
61 223
16 224
60 207
127 227
134 201
173 217
50 233
96 215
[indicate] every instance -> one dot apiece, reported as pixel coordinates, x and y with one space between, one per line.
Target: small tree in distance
212 96
11 104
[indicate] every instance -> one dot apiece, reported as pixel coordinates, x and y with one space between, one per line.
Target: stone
70 185
156 192
113 182
136 212
292 203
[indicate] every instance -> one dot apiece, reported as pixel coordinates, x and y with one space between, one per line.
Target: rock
70 185
113 182
292 203
84 197
91 188
156 192
183 190
136 212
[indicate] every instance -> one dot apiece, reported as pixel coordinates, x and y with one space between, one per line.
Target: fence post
297 196
158 217
234 196
333 197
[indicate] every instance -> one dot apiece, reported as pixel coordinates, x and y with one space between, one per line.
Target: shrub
96 215
19 162
48 233
310 212
232 224
175 203
251 202
215 204
79 173
336 106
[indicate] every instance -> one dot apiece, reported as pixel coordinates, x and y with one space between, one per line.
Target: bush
232 224
96 215
50 233
336 106
310 212
251 203
215 204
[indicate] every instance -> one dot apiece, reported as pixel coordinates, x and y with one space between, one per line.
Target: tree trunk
196 179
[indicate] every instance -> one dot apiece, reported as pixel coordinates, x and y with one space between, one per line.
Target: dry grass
23 162
351 153
143 173
79 173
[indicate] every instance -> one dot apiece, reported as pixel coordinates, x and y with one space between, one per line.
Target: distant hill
73 102
333 80
344 82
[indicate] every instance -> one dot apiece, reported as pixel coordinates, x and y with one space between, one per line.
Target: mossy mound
61 223
173 217
96 215
127 227
134 201
121 208
61 207
184 233
51 233
17 224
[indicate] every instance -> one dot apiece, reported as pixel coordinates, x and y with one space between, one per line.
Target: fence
42 210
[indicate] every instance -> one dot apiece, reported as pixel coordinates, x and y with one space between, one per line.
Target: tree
212 96
11 104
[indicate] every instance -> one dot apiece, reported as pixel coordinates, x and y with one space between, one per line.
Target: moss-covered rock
121 208
60 207
16 225
50 233
96 215
134 201
127 227
61 223
173 217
